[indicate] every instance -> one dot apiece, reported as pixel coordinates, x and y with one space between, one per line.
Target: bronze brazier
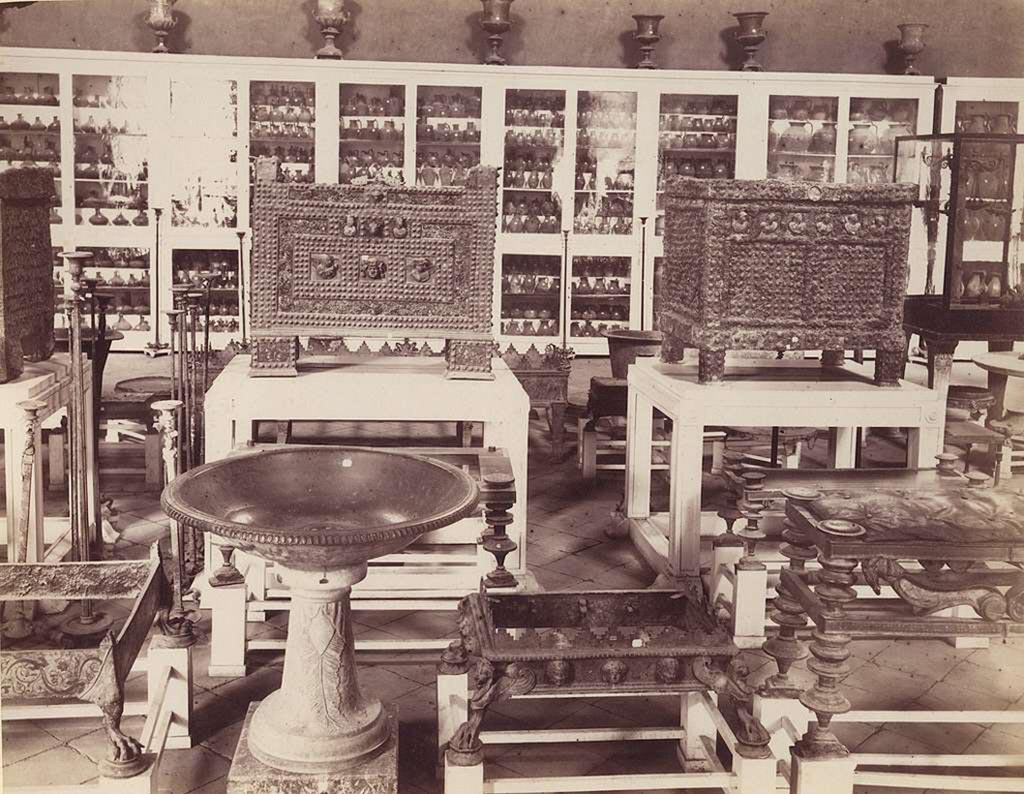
775 265
375 260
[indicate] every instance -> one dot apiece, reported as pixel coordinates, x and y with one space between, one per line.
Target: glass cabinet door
122 286
371 131
221 265
875 124
447 134
802 137
534 148
111 168
282 124
605 162
696 138
600 288
30 126
999 118
204 153
531 289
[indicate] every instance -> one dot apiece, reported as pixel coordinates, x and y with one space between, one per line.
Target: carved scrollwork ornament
927 595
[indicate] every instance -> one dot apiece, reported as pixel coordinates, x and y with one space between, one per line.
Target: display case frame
752 91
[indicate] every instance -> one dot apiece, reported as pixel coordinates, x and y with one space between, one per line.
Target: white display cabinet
584 154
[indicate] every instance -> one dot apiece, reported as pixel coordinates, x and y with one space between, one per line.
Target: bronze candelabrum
496 21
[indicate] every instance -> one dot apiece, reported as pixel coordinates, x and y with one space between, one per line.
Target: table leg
923 444
639 430
842 447
997 385
940 367
684 505
556 424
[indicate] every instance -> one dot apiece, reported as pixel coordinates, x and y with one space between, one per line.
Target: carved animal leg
106 691
711 366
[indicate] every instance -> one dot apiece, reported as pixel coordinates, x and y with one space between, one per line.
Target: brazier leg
833 358
469 359
452 693
274 355
889 366
710 366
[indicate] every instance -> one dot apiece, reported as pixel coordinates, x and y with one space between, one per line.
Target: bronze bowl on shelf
626 345
319 513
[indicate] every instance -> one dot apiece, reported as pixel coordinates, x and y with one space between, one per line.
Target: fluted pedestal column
318 720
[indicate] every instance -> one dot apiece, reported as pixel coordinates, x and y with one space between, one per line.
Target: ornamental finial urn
911 43
750 36
496 21
161 21
647 36
331 16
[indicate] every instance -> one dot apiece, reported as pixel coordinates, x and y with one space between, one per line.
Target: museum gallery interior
507 396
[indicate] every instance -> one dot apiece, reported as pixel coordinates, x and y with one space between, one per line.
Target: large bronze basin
321 508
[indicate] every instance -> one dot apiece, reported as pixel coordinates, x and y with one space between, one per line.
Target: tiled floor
567 549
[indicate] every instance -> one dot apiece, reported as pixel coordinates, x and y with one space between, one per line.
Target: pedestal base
379 775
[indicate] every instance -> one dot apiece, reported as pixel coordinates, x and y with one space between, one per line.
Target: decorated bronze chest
26 269
775 265
374 260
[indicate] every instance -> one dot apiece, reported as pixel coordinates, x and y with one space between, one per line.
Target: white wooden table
389 390
763 394
49 382
1001 368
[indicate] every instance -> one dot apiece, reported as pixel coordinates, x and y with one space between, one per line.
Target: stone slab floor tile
948 696
933 658
868 649
553 580
224 740
58 765
22 739
424 625
590 716
551 760
384 684
853 734
1000 656
535 713
897 687
888 741
646 711
996 740
557 540
217 786
183 771
943 737
1004 683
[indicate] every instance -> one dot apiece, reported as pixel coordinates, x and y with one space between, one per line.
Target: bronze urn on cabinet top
374 260
773 265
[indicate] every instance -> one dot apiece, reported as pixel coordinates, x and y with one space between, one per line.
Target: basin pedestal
318 720
319 514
